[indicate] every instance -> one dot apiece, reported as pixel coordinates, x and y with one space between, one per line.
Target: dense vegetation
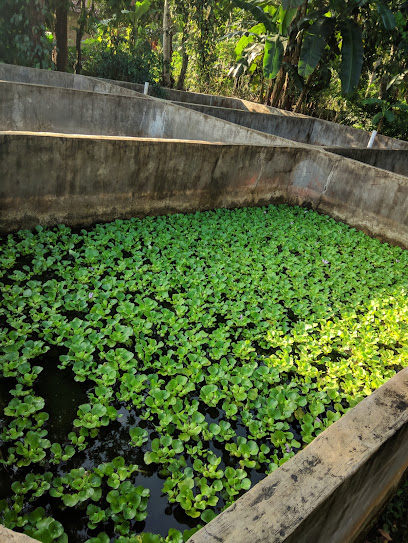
185 356
344 60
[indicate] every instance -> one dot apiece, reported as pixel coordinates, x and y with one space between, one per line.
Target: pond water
188 355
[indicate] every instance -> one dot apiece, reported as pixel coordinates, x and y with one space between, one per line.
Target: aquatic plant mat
153 370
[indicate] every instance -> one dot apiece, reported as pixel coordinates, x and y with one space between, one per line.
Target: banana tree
132 16
335 26
339 20
266 38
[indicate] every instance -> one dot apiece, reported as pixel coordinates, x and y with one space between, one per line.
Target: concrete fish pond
154 370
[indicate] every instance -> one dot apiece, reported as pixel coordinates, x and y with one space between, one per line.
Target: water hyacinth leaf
70 500
241 326
100 538
208 515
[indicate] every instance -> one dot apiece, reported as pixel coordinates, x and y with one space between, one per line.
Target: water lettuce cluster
228 340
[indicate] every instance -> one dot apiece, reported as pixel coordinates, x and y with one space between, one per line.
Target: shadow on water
62 394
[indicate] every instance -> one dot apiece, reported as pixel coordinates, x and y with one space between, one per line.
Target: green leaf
273 56
166 441
100 538
208 515
248 38
377 118
150 538
285 16
258 13
290 4
70 500
387 16
389 115
141 8
352 52
313 45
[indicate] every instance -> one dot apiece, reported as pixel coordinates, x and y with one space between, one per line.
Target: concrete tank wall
85 179
330 490
388 159
23 74
303 129
57 109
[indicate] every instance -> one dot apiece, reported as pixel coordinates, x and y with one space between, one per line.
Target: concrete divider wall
105 178
23 74
284 124
304 129
388 159
56 109
199 98
323 132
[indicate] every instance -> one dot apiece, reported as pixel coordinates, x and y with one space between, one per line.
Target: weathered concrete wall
303 129
332 489
199 98
312 130
23 74
56 109
284 124
392 160
84 179
8 536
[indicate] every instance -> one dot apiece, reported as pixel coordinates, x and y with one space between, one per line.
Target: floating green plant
207 348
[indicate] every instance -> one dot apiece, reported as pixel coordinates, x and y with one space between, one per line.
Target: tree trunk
291 56
36 22
304 92
166 44
184 61
61 34
278 88
261 93
79 35
380 125
284 95
269 93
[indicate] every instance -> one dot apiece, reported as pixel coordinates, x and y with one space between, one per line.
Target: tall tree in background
183 20
61 33
167 48
23 38
299 36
